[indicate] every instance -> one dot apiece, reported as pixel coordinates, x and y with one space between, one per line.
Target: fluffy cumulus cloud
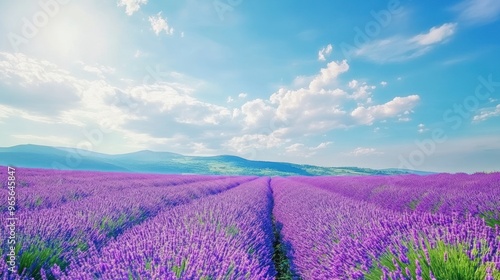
166 115
362 91
142 114
399 48
250 143
159 24
131 6
325 52
323 105
305 111
169 101
328 75
368 115
257 112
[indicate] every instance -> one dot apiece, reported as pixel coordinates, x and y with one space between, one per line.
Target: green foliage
40 255
179 269
281 262
38 201
35 202
229 272
491 218
413 204
112 227
82 246
232 230
445 262
251 250
437 205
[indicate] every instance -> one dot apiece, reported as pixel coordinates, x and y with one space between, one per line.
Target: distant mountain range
36 156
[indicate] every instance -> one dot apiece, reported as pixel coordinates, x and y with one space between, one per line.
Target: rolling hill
36 156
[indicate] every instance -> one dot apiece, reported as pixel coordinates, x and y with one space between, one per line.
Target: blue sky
381 84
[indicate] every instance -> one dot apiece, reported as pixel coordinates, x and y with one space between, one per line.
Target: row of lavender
228 236
55 235
333 236
39 188
477 194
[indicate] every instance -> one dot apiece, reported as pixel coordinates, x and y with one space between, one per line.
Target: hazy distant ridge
164 162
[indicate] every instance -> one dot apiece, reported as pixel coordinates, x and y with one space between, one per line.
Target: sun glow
76 34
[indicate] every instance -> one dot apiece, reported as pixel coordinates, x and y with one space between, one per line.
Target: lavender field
96 225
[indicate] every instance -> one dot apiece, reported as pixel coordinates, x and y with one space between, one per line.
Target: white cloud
28 70
487 113
131 6
249 143
317 109
168 116
383 83
160 24
5 112
309 110
400 48
361 151
478 11
37 86
258 113
353 84
328 75
142 115
201 149
12 112
43 140
368 115
362 92
422 128
405 116
299 149
295 148
324 52
230 99
99 70
164 101
302 81
435 34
